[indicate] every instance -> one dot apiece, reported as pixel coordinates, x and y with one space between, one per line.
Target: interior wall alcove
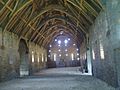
24 58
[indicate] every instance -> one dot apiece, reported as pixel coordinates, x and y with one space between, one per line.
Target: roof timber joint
80 14
5 5
31 27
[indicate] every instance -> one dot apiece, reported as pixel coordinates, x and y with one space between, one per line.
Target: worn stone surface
106 32
53 79
10 57
83 56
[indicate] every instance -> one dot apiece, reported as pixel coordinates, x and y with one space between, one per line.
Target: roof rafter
35 19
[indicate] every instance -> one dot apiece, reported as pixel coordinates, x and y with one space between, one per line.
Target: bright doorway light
74 44
77 54
66 54
49 50
59 45
72 56
54 56
55 39
48 55
33 59
59 42
61 32
60 55
50 45
42 57
93 54
59 50
66 41
102 51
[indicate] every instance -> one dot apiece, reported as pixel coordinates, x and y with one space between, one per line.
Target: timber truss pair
40 21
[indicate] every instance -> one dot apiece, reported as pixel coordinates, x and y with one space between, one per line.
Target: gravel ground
52 80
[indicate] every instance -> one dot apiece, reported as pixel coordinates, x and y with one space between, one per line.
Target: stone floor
56 79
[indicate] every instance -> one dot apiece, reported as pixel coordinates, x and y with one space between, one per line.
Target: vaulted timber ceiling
40 21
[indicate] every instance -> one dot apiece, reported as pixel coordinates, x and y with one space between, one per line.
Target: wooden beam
31 27
15 16
6 5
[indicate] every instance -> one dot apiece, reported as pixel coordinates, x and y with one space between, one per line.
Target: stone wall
40 57
104 39
83 55
10 58
8 55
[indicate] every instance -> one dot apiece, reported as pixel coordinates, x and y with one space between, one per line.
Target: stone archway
24 58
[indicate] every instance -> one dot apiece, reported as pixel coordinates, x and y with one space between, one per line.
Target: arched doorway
24 58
